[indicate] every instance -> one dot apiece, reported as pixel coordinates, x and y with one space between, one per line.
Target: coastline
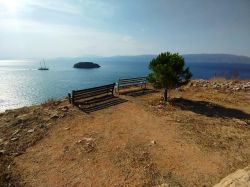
55 121
218 83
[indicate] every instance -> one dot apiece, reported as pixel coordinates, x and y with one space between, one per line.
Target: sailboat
43 68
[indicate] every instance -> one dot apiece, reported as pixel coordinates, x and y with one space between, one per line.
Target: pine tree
167 72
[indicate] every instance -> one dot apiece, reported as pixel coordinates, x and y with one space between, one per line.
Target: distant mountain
189 58
216 58
194 58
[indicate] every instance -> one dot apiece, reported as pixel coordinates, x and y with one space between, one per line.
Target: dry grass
194 144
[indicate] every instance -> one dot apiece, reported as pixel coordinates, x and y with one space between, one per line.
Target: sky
71 28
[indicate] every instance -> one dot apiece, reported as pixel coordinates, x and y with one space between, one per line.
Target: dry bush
50 103
218 78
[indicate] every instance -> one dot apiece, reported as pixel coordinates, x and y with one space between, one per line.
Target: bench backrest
132 81
92 92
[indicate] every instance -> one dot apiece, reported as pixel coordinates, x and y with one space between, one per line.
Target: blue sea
21 84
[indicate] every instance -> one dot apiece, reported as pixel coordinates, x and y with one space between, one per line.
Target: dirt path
124 145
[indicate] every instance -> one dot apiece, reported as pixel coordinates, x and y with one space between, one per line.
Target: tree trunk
165 94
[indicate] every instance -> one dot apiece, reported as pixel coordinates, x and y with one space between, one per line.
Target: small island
86 65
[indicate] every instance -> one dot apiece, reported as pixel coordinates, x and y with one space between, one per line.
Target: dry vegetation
201 136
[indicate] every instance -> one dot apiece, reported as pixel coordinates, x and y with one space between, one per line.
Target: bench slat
92 94
135 81
89 93
134 84
132 78
92 91
131 82
94 88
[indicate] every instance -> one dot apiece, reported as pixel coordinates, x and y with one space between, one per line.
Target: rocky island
86 65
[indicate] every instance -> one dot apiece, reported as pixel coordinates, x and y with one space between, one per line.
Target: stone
42 126
85 140
88 139
16 121
153 142
164 185
2 152
31 130
16 131
24 117
14 139
240 122
79 141
64 108
240 178
54 116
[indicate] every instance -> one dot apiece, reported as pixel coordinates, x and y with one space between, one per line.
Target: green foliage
167 71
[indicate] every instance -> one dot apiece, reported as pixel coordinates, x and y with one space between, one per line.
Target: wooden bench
91 95
136 81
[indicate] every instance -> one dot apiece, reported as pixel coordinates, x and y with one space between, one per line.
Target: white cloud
26 36
55 5
37 39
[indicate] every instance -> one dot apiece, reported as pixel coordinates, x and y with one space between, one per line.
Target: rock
62 116
153 142
86 65
236 88
54 116
24 117
88 139
164 185
14 139
31 130
66 128
2 152
42 126
240 122
64 108
85 140
79 141
16 131
16 122
240 178
1 140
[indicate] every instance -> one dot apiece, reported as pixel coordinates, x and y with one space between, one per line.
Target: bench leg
69 97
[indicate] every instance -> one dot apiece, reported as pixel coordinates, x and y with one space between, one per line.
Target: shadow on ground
136 93
209 109
100 103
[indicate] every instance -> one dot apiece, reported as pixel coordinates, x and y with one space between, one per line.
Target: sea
21 84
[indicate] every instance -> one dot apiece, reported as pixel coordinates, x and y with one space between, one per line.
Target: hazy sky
56 28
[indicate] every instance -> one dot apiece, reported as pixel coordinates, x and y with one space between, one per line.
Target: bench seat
91 95
136 81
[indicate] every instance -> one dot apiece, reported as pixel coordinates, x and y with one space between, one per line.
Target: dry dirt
200 137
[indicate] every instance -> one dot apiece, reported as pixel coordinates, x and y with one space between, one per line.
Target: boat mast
44 63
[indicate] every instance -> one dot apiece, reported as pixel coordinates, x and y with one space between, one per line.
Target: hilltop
196 140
